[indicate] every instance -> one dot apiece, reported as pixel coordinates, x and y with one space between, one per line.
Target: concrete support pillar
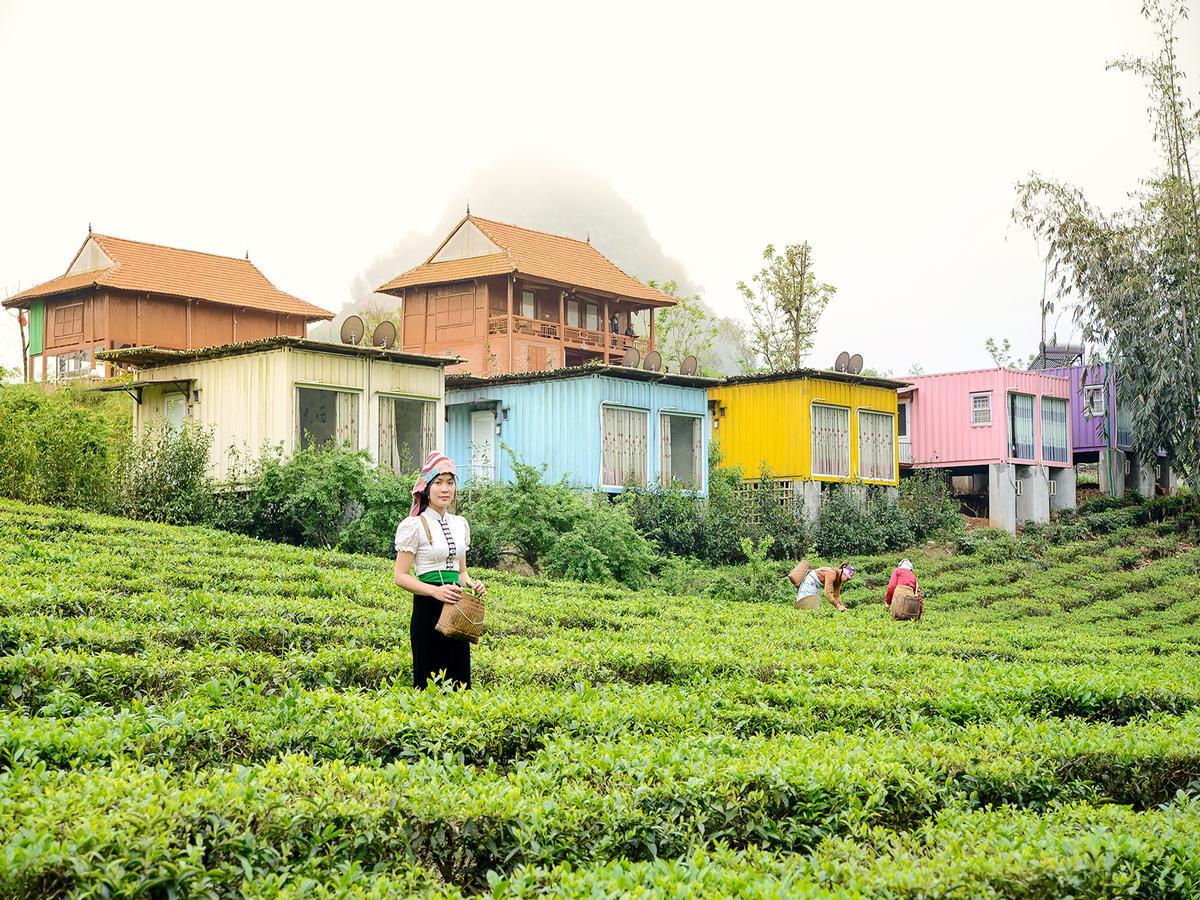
1002 496
1142 474
1111 467
1062 495
1172 481
810 493
1033 494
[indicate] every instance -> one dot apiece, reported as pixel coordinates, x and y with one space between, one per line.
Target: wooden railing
577 337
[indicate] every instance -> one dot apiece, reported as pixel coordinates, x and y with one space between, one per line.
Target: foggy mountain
546 196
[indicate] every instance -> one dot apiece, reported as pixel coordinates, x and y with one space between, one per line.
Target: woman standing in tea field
431 562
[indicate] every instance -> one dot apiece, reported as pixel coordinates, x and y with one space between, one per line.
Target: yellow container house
812 429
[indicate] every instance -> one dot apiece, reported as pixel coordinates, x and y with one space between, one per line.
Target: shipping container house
1001 435
812 430
289 393
600 428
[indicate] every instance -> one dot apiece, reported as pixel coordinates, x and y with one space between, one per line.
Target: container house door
483 440
903 434
174 412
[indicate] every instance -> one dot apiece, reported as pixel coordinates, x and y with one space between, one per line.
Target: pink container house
1002 435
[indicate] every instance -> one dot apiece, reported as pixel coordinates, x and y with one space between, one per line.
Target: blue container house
599 427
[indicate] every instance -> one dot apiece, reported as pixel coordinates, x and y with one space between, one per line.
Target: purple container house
1001 435
1101 432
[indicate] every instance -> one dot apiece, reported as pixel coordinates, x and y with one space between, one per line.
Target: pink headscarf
436 463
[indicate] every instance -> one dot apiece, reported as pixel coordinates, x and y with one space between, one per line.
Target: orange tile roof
154 269
538 255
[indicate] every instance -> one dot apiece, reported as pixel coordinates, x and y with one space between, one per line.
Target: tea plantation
189 713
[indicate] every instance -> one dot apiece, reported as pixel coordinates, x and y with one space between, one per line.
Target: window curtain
665 473
1020 410
1054 429
387 434
876 459
346 429
830 441
623 447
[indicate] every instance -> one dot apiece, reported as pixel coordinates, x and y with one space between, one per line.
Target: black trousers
432 651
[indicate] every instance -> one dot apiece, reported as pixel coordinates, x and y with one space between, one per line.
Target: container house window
406 432
1054 429
623 446
1020 426
681 456
1095 401
326 417
876 447
830 441
1124 425
981 409
528 306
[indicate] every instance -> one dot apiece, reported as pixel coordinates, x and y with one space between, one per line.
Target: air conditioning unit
1053 488
1018 488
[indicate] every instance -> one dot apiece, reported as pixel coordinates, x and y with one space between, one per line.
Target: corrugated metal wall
769 423
250 400
1087 433
557 422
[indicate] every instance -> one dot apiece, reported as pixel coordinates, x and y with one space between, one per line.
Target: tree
375 312
1001 355
1136 272
785 305
685 329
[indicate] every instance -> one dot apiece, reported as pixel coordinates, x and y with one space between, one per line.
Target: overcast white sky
889 135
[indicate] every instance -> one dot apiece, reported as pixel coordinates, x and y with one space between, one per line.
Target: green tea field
190 713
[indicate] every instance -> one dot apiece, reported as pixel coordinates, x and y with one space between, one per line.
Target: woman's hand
447 593
478 587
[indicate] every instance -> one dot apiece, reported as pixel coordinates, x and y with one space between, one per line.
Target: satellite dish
384 335
689 365
353 330
843 360
653 361
631 358
855 365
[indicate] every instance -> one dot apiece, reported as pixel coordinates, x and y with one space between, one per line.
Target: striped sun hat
436 463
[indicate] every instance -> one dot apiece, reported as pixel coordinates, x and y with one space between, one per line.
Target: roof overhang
151 357
626 372
823 374
134 388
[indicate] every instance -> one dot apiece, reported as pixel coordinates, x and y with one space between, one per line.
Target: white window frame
812 437
891 479
380 396
482 469
990 413
907 432
169 398
1035 412
1090 393
664 476
532 312
297 437
646 456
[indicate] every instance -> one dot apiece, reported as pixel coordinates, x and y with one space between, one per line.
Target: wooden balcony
576 338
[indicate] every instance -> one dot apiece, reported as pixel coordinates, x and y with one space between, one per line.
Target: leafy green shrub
602 546
759 580
163 477
990 545
779 527
386 501
847 526
927 504
725 521
57 447
671 518
309 498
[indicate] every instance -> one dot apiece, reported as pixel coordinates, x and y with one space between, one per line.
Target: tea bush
162 477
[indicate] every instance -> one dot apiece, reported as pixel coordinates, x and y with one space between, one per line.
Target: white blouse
451 537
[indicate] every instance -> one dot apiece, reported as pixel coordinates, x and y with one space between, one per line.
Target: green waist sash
443 576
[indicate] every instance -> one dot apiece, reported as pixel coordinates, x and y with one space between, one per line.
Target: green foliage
758 580
847 526
927 504
163 477
785 304
601 546
189 712
989 545
386 501
1134 271
56 447
309 497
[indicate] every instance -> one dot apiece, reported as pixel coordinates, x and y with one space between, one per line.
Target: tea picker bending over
903 597
810 583
433 544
